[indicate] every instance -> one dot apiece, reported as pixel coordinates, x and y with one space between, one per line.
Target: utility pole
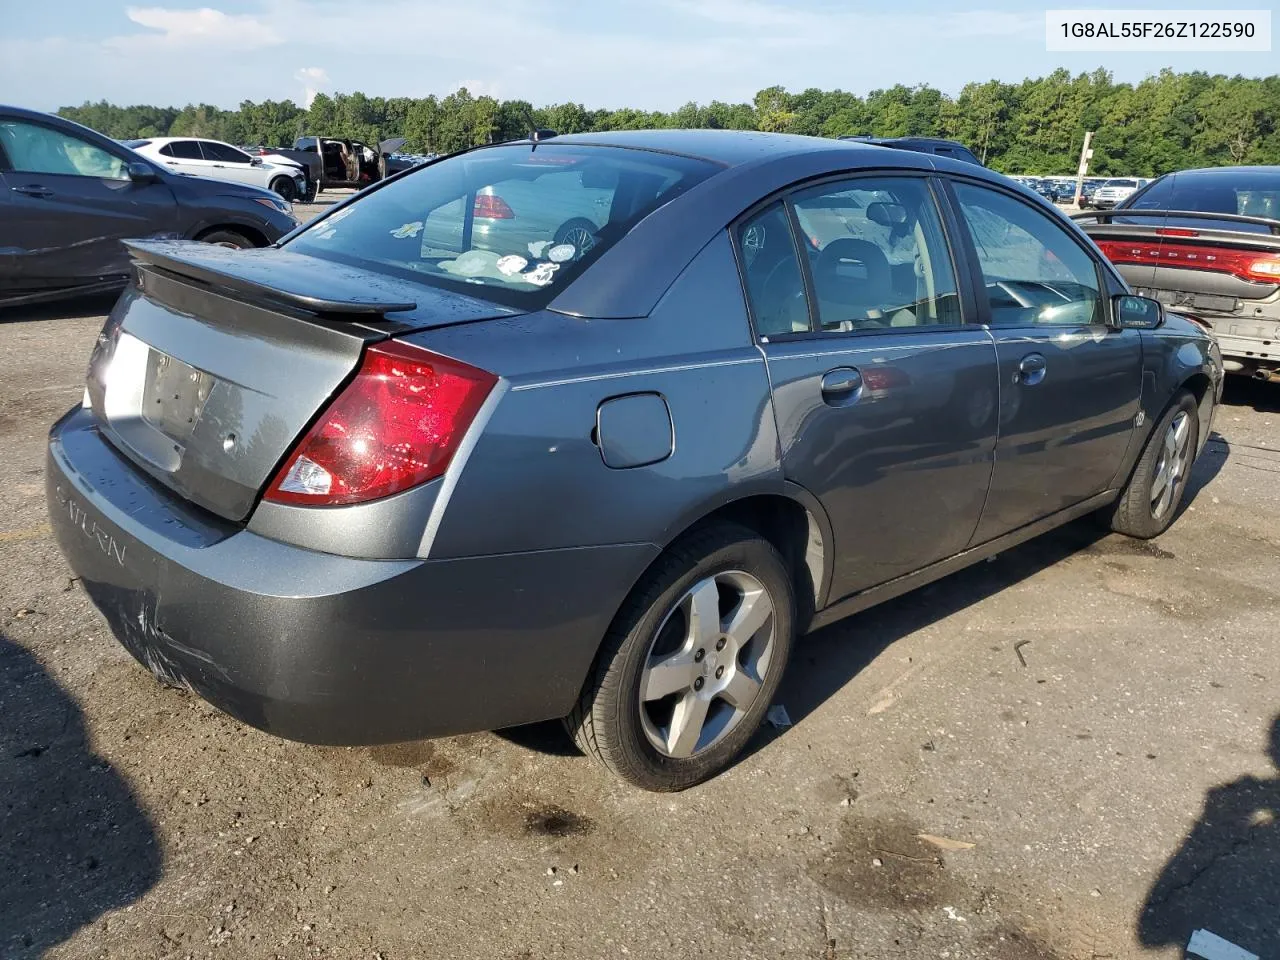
1086 154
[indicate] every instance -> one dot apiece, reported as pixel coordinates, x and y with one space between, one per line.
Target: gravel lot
1101 800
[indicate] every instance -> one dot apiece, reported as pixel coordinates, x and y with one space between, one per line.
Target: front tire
285 188
1150 500
228 238
691 663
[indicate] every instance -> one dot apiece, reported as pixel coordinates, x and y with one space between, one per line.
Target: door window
35 149
878 255
771 270
221 153
182 150
1034 271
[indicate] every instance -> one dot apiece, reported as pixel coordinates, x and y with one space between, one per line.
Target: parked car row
765 382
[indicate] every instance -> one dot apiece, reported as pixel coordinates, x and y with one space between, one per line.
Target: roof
1259 168
727 147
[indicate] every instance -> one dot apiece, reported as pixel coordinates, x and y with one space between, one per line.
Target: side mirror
1131 312
255 161
140 172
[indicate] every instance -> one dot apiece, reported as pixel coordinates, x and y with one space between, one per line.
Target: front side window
1034 271
222 153
878 255
771 271
514 223
36 149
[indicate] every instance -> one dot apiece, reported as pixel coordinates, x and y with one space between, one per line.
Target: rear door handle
1032 369
33 190
842 386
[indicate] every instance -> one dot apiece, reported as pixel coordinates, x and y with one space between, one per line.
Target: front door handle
842 386
1031 370
33 190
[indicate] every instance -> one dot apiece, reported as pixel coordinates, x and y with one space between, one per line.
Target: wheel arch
259 239
789 517
1200 386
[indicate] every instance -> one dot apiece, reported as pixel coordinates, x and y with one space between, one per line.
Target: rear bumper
321 648
1251 342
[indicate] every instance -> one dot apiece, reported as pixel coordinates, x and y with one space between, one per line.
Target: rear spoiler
322 287
1104 217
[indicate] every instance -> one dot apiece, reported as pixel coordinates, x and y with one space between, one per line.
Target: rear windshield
135 144
1249 193
512 223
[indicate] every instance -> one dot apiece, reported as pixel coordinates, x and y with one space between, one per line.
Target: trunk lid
215 361
1189 259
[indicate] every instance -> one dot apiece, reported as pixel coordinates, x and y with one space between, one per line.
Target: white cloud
313 80
201 28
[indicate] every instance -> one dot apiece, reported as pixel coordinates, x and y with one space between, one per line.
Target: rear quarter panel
536 479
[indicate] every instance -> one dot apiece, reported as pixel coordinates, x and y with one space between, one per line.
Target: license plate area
174 394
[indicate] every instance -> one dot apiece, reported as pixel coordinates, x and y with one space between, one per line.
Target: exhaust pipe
1267 376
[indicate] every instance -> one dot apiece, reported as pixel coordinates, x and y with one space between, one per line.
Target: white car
221 161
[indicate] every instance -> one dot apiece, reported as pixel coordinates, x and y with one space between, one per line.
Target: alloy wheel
1171 468
707 664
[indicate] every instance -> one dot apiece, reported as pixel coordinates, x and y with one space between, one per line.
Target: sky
652 54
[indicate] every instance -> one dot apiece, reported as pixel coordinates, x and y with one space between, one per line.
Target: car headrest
853 270
887 214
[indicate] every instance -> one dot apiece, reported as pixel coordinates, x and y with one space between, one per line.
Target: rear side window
878 255
1034 271
182 150
512 223
1241 193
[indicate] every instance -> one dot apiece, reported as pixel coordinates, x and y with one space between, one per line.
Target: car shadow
1224 876
827 659
97 305
1260 395
75 841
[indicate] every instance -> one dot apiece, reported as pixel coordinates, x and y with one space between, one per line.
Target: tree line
1168 121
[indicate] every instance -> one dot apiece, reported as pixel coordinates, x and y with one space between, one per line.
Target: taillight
1244 264
396 425
490 206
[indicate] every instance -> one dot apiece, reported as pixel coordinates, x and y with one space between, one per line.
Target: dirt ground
1086 726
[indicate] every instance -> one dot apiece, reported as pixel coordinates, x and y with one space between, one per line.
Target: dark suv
69 196
933 145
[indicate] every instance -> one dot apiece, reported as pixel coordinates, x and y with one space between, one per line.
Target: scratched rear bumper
320 648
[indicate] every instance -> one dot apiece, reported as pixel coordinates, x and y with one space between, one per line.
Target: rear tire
228 238
1149 501
712 624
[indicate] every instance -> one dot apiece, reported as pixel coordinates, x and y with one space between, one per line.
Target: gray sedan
403 477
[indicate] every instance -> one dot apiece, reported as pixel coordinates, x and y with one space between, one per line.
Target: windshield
512 223
1249 193
1121 183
